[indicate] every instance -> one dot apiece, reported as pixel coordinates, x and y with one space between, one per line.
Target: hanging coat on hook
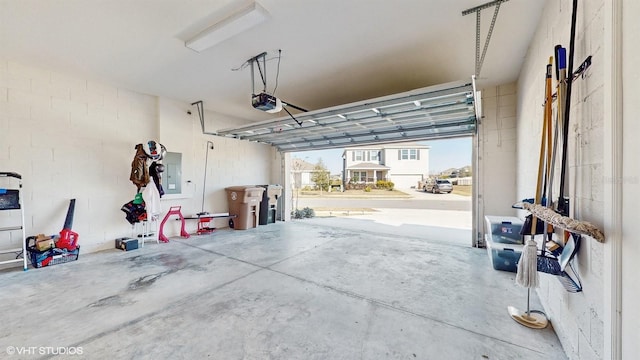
139 171
155 170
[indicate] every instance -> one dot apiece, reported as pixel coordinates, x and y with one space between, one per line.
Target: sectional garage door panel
441 111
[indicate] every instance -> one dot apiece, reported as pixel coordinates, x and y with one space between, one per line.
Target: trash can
244 203
269 204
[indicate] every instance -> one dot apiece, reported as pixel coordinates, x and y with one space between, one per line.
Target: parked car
438 186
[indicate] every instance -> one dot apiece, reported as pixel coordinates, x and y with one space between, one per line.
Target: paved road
419 200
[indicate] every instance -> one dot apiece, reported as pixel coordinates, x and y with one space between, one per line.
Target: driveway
438 217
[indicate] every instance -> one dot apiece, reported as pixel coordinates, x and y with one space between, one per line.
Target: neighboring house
404 164
451 173
464 171
301 173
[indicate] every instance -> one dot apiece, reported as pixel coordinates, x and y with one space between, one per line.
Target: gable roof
301 165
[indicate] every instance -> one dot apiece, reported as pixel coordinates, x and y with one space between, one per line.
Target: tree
296 180
321 176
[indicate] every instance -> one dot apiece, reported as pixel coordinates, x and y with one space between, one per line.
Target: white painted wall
349 153
631 179
577 318
406 167
74 138
497 153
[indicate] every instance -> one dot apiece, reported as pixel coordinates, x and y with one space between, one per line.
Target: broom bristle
527 275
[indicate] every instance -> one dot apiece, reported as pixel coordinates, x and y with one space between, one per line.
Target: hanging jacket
152 201
139 171
155 170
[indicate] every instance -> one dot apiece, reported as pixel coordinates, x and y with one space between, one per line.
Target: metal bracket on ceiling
255 61
199 105
477 10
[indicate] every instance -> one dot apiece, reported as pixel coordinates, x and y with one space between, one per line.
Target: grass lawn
462 190
354 193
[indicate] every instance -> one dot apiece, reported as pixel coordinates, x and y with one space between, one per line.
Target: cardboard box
44 242
126 244
43 245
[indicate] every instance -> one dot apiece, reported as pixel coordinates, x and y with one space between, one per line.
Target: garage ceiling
333 51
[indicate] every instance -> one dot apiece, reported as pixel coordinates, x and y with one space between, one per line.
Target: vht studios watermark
44 350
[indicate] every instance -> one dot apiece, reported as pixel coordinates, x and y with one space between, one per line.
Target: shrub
367 189
297 214
308 212
303 213
384 184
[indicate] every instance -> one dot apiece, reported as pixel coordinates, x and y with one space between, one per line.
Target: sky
444 154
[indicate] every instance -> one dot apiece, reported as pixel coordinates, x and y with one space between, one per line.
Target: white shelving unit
10 200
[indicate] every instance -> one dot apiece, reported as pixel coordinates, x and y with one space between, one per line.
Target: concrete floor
295 290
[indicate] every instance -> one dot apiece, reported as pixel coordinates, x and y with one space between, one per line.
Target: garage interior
81 83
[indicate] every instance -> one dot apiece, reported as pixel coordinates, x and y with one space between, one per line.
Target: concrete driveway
415 200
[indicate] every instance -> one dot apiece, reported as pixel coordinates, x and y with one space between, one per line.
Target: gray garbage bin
269 204
244 203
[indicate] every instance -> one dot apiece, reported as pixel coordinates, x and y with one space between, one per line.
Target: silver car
438 186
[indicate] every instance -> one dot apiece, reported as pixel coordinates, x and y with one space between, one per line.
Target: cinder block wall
497 152
72 137
577 318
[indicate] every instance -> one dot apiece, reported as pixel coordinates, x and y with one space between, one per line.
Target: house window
359 176
409 154
374 155
359 155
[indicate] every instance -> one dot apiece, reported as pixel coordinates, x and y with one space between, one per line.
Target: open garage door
435 112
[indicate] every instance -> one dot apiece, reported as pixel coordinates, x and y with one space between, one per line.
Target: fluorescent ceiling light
237 22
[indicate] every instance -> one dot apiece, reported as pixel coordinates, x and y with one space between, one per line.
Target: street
419 200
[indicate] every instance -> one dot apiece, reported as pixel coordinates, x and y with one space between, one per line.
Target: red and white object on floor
174 210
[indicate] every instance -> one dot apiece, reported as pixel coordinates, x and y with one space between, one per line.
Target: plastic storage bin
9 199
504 242
49 257
244 203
